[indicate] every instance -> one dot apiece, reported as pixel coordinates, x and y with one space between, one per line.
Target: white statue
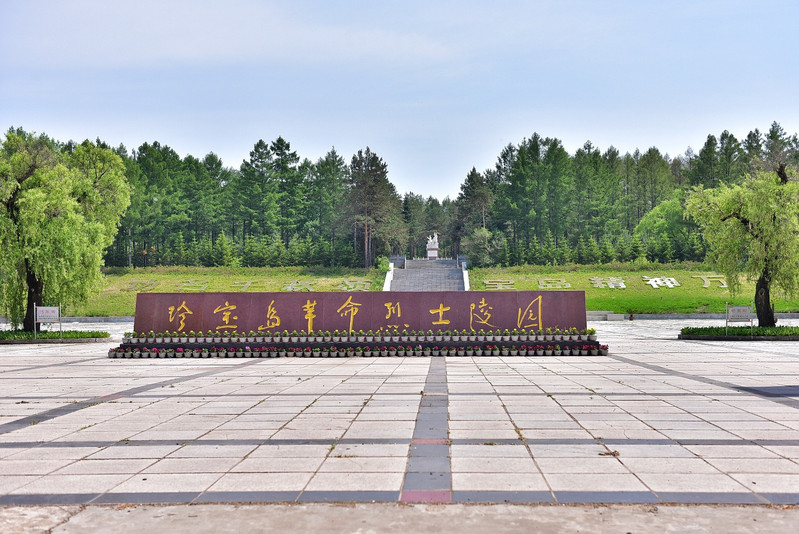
432 241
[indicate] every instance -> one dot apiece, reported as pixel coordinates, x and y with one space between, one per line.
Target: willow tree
58 212
752 230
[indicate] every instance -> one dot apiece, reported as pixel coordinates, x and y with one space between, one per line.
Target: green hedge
67 334
741 331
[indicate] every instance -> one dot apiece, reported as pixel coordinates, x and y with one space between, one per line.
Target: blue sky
434 88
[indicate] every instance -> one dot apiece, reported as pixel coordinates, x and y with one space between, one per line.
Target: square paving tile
58 484
668 465
581 465
106 467
493 465
769 482
523 481
192 465
691 483
604 482
356 482
278 465
153 482
261 482
364 464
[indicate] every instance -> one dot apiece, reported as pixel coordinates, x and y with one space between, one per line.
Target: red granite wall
443 310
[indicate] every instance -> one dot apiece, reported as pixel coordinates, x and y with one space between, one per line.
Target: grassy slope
119 295
638 297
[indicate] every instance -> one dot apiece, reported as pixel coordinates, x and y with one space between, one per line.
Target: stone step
431 264
427 280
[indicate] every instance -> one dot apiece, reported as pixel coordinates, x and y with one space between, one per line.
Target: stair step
428 275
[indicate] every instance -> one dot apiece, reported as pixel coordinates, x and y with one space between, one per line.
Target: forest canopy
538 204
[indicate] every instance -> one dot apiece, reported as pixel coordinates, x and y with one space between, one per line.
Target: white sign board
739 313
47 314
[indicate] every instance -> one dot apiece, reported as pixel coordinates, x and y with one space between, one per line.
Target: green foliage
58 212
546 205
483 248
752 230
44 334
741 331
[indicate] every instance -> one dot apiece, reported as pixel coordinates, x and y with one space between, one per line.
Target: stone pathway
428 275
656 421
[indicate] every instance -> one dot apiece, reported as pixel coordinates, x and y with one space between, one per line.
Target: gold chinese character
440 311
349 308
480 313
272 318
531 316
226 316
393 308
181 311
309 308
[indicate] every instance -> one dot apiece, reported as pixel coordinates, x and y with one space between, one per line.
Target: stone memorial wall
353 311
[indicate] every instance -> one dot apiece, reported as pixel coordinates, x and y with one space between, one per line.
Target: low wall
445 310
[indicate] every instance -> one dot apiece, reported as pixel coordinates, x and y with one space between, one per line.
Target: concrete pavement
655 424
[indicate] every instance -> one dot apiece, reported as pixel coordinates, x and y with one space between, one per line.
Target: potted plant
603 350
590 334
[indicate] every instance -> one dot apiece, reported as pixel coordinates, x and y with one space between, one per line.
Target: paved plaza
658 421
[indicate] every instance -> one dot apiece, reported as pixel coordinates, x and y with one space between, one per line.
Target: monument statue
432 241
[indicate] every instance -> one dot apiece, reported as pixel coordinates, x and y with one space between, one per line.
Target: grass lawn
638 296
118 297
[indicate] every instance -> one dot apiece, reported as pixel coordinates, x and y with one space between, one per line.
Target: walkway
656 421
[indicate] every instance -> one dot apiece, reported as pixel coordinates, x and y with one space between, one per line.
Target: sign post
49 314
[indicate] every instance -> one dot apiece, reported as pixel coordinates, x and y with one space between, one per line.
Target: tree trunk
365 244
765 315
35 290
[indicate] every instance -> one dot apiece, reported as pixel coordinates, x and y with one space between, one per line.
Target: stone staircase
428 275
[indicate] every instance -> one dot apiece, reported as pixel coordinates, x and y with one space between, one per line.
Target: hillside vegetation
118 298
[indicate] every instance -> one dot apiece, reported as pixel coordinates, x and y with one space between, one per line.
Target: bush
67 334
741 331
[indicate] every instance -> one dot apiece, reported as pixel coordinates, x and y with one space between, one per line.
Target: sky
433 87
